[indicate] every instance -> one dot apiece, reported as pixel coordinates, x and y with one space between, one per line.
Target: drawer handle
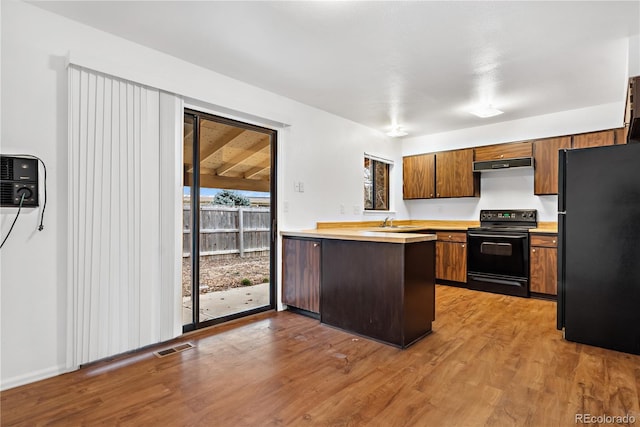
449 235
554 240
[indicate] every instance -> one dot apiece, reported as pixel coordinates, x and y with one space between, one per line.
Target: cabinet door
545 154
451 261
512 150
301 273
594 139
454 175
621 135
544 272
418 176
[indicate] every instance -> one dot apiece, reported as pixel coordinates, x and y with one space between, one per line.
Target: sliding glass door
229 219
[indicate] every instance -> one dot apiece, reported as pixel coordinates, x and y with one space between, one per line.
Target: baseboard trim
31 377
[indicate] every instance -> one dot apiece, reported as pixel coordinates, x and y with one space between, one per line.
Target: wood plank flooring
491 360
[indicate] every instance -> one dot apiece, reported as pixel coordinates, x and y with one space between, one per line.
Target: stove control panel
521 216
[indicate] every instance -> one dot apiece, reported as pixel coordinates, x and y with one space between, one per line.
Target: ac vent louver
6 169
6 193
173 350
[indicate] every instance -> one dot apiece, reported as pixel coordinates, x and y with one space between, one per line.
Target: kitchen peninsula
376 283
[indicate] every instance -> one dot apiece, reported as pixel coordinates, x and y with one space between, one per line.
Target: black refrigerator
599 246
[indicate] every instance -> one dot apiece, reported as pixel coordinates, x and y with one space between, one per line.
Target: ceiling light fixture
486 111
396 132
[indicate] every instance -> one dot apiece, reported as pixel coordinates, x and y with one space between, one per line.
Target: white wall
321 150
634 56
507 188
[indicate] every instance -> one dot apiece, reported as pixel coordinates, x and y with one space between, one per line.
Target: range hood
492 165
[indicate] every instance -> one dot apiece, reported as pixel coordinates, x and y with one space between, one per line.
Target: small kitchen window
376 183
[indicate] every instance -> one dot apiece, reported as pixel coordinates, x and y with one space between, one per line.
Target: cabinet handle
449 235
554 240
315 245
463 245
502 156
438 194
533 250
431 195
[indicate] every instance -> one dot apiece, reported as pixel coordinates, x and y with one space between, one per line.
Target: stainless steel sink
391 228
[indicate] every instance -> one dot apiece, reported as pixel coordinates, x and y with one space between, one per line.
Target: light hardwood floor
492 360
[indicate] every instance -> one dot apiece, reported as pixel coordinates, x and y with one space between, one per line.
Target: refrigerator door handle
561 272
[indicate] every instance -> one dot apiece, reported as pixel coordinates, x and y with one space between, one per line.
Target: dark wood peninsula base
380 290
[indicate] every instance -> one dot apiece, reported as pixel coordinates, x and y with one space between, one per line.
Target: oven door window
498 254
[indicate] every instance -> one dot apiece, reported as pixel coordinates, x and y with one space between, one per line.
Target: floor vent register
173 350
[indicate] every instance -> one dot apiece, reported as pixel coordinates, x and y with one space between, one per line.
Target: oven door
498 262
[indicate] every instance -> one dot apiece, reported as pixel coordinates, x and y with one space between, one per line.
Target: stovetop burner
507 220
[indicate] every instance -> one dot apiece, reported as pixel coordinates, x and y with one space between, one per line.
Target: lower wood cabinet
451 256
301 266
544 264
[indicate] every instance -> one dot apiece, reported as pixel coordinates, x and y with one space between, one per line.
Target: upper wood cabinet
545 154
443 174
512 150
621 135
450 173
594 139
418 176
454 175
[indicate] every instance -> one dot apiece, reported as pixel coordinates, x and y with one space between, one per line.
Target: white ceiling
422 65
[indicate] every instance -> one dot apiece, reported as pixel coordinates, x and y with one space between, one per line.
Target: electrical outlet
296 186
301 187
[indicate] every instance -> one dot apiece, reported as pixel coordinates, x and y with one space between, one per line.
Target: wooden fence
228 230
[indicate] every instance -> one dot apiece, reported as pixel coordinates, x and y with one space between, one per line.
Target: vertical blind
124 216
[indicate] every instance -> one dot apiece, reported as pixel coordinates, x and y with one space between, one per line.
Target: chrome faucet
389 220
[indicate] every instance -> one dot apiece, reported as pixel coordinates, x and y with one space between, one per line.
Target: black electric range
498 251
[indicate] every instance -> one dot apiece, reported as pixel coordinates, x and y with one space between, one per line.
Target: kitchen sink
391 228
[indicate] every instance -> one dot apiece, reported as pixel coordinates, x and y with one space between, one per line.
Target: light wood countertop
418 224
362 234
403 231
545 227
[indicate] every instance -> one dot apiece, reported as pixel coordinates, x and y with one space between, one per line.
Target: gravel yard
219 274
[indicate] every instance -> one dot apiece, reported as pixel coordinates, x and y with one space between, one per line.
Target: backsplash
504 189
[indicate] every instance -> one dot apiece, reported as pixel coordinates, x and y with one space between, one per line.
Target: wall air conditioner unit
19 178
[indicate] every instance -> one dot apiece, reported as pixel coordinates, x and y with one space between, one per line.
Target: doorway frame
195 219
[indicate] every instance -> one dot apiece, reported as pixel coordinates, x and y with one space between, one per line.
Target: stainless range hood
492 165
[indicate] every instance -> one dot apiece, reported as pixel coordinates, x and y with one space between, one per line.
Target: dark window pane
376 185
381 176
368 183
